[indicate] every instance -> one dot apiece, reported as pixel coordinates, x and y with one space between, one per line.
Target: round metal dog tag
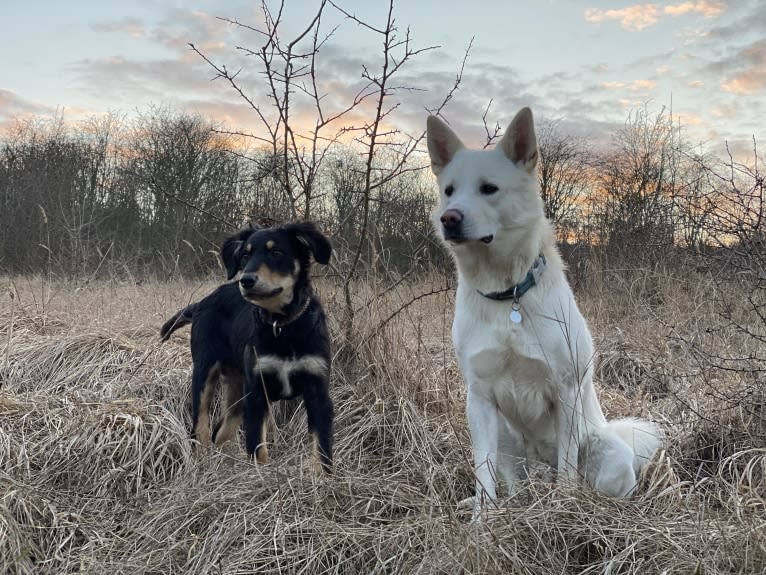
515 314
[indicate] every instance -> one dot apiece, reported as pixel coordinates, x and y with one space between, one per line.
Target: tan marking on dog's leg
262 451
316 454
233 390
229 428
262 454
202 430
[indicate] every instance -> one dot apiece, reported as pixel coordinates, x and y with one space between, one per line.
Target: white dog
524 349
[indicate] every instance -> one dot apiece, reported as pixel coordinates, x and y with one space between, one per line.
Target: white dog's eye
488 189
449 189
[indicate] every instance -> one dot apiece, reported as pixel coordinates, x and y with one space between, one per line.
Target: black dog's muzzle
248 287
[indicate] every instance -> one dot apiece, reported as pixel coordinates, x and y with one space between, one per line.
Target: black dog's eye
244 258
449 189
488 189
277 253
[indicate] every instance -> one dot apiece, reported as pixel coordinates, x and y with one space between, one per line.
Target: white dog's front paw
479 506
467 503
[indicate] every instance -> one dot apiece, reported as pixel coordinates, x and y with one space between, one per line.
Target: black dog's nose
247 282
451 219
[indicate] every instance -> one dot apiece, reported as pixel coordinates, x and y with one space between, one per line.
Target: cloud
641 16
11 103
14 108
639 85
128 82
206 31
122 80
688 119
726 110
635 17
705 8
748 17
634 86
133 27
747 82
177 29
743 70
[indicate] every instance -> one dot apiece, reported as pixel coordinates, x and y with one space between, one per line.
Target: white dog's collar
516 291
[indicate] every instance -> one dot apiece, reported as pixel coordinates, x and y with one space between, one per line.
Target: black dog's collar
278 324
518 290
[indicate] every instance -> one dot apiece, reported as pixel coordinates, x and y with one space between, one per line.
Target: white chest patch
283 368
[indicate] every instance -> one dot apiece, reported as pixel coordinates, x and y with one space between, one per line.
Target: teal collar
518 290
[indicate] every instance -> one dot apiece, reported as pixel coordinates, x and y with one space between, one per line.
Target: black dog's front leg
256 409
319 413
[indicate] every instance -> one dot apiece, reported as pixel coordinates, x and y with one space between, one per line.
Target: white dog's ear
442 143
519 142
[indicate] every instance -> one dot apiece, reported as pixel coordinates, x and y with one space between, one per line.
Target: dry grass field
97 474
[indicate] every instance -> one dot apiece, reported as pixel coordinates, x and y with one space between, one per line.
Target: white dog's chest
521 367
512 373
521 387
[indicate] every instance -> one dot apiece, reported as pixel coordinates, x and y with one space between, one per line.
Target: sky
585 64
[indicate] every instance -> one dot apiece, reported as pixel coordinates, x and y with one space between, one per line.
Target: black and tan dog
264 337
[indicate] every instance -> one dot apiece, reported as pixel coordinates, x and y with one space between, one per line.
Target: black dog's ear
308 234
231 250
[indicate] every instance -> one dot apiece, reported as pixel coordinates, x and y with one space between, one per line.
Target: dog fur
264 337
530 392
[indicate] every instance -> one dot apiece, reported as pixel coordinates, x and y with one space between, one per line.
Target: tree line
155 195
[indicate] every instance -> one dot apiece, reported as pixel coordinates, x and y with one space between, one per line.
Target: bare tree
735 204
693 204
565 174
291 70
290 67
183 180
636 183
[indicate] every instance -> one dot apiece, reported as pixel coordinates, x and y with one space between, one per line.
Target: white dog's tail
644 437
